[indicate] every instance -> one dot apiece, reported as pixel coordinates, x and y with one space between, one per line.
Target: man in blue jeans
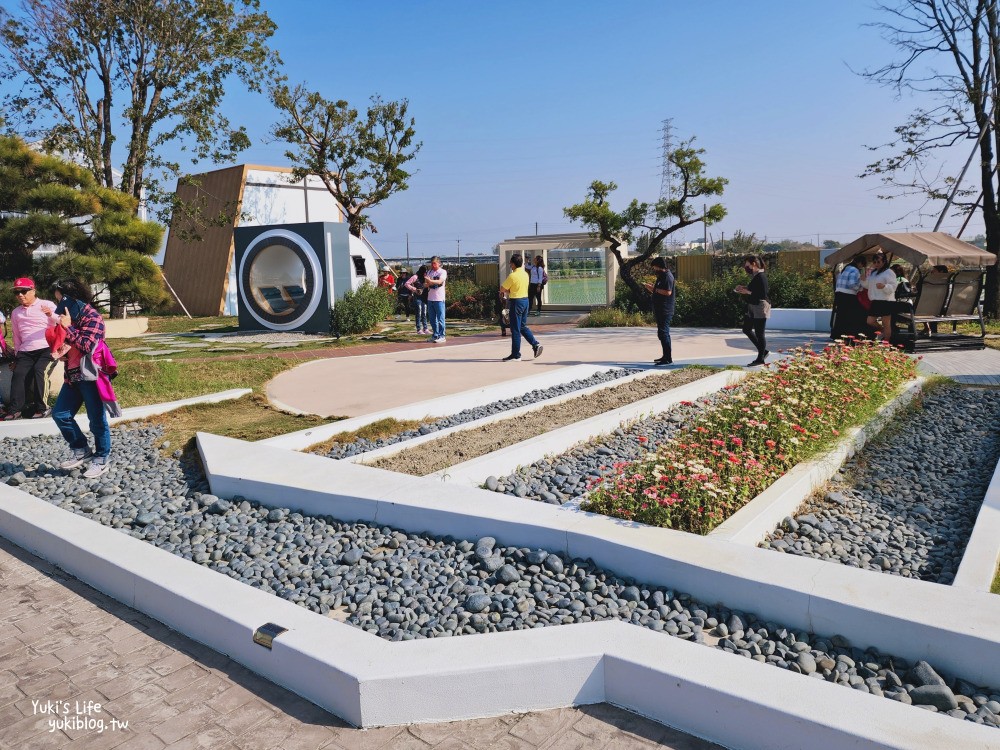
515 288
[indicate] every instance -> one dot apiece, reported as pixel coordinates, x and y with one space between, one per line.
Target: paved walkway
63 642
355 385
966 367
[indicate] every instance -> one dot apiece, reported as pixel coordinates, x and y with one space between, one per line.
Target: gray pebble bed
403 586
363 445
906 504
569 476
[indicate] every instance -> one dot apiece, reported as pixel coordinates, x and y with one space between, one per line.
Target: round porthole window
279 278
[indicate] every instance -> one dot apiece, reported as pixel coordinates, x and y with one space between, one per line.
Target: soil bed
468 444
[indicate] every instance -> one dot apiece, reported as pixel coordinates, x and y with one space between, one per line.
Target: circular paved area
352 386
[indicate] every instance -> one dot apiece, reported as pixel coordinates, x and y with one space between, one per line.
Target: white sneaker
440 340
80 456
97 467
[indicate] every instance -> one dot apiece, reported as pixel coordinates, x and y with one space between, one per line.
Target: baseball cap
658 262
24 283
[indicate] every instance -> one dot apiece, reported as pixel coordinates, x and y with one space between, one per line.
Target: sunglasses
22 292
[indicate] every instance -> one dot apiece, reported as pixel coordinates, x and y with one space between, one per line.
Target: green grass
590 290
380 429
183 324
247 418
144 382
995 588
612 317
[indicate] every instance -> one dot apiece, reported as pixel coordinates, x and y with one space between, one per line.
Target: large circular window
279 279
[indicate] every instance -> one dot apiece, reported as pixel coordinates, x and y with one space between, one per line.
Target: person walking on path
515 288
758 306
435 279
537 279
417 284
32 360
663 307
84 333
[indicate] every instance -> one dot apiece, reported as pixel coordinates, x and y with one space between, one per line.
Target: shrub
751 436
361 309
613 317
466 299
713 302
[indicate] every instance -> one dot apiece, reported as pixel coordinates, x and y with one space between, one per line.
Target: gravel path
569 476
403 586
363 445
907 503
468 444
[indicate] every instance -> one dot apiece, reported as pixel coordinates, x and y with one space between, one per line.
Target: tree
949 52
659 220
48 201
98 74
359 159
744 243
830 244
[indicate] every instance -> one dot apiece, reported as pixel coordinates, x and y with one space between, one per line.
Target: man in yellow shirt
515 289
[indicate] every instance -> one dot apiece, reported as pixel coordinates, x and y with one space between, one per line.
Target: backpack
6 350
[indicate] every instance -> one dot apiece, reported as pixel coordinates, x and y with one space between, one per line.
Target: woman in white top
537 279
881 285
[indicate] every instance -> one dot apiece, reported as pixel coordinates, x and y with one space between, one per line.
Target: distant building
201 271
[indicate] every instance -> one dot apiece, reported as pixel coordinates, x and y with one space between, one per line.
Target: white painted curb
371 682
504 461
397 448
759 517
909 618
435 407
979 563
22 428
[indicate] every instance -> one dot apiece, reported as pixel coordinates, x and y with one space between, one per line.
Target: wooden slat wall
694 267
199 270
799 260
488 274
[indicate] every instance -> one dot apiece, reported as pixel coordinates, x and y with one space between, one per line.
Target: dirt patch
478 441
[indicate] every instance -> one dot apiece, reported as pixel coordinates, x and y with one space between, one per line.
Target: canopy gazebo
951 296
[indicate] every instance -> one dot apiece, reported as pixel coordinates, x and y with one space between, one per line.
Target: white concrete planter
799 319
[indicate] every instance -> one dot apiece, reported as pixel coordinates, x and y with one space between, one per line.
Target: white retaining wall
371 682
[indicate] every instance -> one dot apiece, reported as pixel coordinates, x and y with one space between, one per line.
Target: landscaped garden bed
402 586
907 503
345 446
478 441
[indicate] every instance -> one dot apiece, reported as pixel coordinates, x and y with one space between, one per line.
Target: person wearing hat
32 360
664 299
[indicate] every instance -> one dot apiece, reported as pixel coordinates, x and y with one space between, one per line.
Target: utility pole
536 228
723 243
704 225
459 241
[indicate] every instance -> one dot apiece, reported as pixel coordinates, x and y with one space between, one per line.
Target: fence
487 274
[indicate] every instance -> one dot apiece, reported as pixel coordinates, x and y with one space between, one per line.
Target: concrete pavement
352 386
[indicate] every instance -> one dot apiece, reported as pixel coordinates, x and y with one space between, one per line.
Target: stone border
371 682
909 618
982 553
504 461
751 523
22 428
435 407
397 448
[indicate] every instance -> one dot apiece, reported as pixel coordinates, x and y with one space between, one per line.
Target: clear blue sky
521 104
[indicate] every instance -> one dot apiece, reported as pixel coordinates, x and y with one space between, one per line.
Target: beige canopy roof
936 248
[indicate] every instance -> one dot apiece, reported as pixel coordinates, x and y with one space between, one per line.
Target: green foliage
466 299
658 220
713 303
614 317
167 63
48 201
361 309
359 158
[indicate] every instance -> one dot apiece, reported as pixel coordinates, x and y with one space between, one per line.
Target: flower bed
752 436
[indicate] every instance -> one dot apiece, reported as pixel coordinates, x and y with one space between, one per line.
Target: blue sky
520 105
